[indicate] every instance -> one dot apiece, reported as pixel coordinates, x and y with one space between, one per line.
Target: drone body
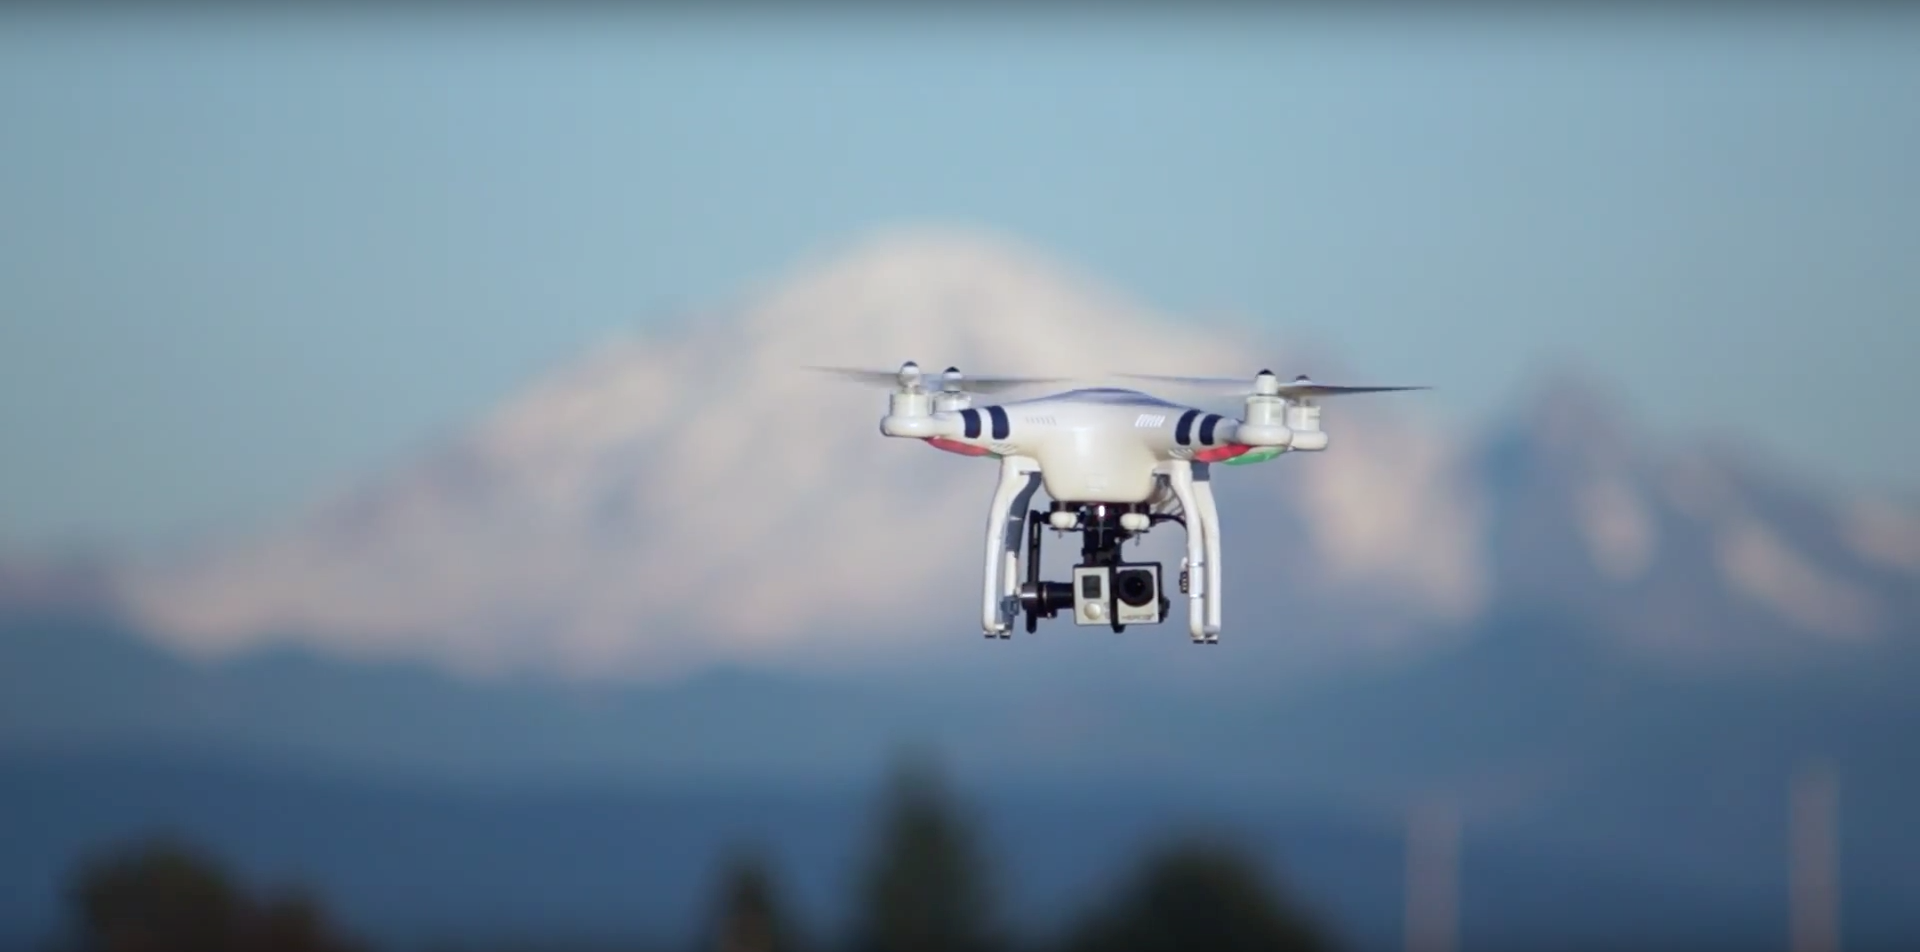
1115 463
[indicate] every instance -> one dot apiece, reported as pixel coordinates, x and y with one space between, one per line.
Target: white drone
1115 462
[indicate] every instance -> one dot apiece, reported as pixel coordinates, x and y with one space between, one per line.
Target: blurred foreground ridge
164 895
925 888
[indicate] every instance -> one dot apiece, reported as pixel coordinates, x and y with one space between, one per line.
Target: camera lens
1134 586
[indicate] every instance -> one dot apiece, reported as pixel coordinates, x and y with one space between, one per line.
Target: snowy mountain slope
668 503
1693 551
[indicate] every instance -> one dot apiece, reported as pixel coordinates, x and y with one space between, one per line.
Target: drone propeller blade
1298 388
872 378
1296 391
973 384
952 379
1226 384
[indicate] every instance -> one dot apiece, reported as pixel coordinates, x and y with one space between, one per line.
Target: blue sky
245 260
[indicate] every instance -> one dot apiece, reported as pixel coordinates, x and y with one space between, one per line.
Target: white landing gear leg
1000 597
1209 518
1199 567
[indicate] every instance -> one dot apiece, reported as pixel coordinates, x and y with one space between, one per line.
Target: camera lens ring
1134 587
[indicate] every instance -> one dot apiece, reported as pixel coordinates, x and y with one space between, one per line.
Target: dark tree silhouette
750 915
293 923
162 895
1197 894
925 889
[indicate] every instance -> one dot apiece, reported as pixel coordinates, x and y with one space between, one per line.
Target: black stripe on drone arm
1206 429
1183 433
1002 427
971 420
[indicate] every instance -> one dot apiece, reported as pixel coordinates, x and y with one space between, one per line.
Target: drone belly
1094 463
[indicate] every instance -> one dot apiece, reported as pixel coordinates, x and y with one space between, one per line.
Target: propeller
951 380
1297 389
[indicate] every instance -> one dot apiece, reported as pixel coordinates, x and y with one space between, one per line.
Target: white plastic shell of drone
911 415
1304 420
1109 448
1265 424
947 401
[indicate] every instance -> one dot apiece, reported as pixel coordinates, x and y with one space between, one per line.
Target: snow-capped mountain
1689 551
672 502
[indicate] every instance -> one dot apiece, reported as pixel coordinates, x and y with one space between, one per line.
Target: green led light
1260 455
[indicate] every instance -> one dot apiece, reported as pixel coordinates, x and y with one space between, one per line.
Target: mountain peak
1571 409
924 249
947 296
938 254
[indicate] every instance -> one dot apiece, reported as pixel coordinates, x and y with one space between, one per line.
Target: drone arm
1019 480
1276 422
922 427
915 416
